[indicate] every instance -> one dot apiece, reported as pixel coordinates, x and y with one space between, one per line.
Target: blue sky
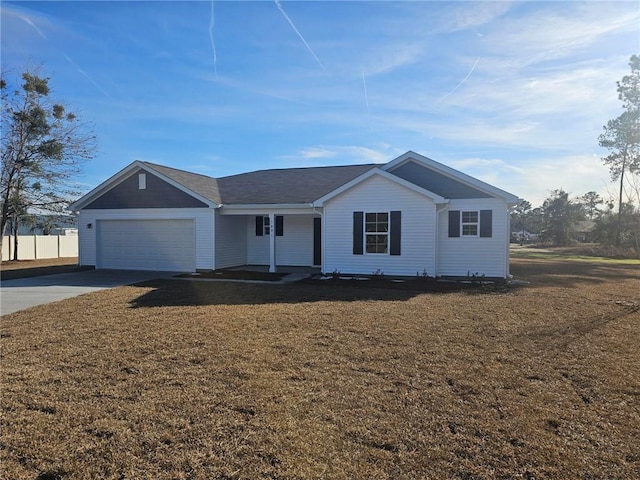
514 93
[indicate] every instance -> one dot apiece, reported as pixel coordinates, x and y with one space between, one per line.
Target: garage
167 244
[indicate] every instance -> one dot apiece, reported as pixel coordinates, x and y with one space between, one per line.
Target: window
263 226
142 181
469 223
376 228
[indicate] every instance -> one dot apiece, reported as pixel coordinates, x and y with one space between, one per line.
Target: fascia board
452 173
272 206
266 208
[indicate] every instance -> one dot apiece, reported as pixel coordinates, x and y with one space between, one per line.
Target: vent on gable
142 181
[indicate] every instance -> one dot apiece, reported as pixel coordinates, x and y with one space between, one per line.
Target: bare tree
43 149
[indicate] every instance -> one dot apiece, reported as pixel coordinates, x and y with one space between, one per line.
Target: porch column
272 242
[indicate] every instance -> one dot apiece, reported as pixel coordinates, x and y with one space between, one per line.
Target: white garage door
146 245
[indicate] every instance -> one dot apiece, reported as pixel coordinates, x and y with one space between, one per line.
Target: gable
156 194
436 182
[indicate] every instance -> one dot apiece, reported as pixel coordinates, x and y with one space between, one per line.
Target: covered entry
167 244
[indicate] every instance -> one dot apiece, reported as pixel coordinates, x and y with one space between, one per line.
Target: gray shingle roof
200 184
288 185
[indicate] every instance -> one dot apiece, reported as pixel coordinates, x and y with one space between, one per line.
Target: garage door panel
146 244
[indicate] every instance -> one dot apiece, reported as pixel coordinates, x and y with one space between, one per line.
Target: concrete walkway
28 292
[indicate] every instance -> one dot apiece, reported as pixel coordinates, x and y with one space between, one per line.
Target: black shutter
259 226
358 232
454 223
279 225
395 229
486 223
317 241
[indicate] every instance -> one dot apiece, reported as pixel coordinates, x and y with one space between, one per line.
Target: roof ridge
151 164
304 168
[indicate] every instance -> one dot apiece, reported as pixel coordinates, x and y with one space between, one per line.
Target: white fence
32 247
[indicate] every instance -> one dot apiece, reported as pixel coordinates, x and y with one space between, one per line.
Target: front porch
273 240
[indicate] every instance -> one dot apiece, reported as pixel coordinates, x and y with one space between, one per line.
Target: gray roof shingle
277 186
201 184
290 185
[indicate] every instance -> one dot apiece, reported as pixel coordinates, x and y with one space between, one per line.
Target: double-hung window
469 222
376 230
266 226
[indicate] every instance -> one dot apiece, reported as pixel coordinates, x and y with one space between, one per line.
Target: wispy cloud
284 14
340 155
211 39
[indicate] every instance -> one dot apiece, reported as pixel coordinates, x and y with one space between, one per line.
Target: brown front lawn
208 380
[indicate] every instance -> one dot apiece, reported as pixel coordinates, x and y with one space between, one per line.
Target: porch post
272 242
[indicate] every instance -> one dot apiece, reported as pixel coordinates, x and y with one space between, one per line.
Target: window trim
376 233
463 223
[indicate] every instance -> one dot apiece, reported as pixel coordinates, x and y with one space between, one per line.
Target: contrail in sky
28 20
463 80
86 75
284 14
213 43
366 99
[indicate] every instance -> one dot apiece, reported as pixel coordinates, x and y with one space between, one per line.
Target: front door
317 241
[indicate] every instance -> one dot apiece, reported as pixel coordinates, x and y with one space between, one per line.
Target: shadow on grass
570 274
540 273
194 293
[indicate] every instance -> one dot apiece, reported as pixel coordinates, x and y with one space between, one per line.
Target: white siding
461 255
203 219
257 247
378 194
294 248
231 241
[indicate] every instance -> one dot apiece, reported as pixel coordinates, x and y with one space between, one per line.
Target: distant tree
560 215
520 214
621 135
628 234
43 148
590 202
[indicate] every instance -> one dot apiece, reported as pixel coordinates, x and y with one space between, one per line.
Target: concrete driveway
28 292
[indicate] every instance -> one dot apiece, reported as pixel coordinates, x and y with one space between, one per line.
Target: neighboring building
406 216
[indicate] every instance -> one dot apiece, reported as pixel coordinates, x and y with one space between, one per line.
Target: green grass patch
565 256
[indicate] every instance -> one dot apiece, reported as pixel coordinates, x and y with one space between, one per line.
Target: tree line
560 219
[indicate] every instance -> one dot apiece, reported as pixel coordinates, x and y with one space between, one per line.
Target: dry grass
181 379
